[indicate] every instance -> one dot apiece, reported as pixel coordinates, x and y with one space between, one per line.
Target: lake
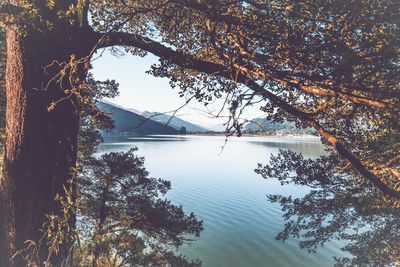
222 189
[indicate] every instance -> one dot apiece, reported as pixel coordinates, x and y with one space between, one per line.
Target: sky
144 92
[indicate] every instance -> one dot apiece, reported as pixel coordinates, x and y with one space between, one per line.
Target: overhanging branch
187 61
315 89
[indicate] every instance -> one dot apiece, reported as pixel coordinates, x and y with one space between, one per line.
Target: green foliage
339 206
124 219
112 212
333 65
91 117
58 232
333 62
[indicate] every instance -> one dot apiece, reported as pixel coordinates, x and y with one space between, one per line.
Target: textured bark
40 146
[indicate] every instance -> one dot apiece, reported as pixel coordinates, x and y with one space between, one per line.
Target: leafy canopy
330 65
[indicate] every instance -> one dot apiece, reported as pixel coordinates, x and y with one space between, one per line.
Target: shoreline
252 135
215 134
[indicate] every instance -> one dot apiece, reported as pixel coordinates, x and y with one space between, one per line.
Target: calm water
221 188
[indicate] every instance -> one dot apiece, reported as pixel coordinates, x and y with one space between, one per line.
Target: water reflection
145 138
339 206
310 149
222 189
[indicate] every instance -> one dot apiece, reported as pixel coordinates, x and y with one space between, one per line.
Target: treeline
265 126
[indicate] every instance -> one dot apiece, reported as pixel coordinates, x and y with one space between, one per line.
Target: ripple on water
223 191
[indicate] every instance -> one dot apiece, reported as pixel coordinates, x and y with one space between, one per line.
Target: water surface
221 188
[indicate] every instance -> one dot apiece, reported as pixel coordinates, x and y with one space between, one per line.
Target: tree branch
84 12
281 77
144 43
10 9
236 74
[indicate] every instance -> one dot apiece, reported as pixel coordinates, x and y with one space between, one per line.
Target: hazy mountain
133 110
128 122
218 127
121 107
131 121
264 126
175 122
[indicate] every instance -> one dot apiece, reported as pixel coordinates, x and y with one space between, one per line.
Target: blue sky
144 92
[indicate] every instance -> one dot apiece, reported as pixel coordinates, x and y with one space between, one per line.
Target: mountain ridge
174 122
130 123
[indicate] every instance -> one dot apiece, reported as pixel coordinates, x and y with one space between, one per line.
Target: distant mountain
174 122
264 126
121 107
133 110
133 122
129 123
218 127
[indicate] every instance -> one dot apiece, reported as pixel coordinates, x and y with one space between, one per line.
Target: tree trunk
40 146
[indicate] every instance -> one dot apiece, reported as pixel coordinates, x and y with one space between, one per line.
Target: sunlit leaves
129 221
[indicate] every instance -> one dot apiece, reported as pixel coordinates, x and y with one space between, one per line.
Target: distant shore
253 135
